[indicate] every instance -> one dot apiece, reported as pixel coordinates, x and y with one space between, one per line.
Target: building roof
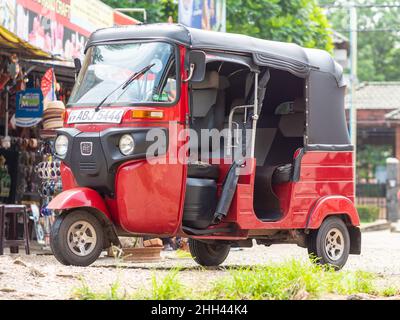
11 43
377 96
339 37
340 41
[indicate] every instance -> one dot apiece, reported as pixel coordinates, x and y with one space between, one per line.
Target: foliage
368 213
298 21
157 11
182 254
378 39
289 280
86 293
168 288
390 292
369 157
169 9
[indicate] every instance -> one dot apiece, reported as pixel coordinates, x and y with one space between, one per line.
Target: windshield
106 67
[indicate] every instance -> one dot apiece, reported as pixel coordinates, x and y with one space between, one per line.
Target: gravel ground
42 277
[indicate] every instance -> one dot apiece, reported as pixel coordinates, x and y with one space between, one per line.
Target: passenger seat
208 111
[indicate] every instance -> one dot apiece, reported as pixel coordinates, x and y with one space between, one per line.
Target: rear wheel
77 238
208 254
330 245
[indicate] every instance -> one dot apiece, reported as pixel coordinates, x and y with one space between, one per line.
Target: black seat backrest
208 108
280 136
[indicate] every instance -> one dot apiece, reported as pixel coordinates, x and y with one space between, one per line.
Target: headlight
126 145
61 146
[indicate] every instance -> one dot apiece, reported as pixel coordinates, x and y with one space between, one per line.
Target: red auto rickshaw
143 153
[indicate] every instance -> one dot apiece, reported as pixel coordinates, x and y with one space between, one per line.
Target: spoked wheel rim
334 244
82 238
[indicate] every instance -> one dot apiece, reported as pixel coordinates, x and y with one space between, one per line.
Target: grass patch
292 280
182 254
167 288
86 293
390 292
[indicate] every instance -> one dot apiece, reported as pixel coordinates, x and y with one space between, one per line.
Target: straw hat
53 115
51 105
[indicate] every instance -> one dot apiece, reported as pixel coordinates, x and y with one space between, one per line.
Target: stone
20 262
36 273
7 290
361 296
301 295
67 276
153 243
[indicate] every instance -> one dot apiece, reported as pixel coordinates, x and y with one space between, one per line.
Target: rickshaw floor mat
203 171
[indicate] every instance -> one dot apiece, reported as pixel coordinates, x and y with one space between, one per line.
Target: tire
330 245
87 228
208 254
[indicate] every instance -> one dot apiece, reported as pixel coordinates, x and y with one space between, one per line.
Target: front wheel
77 238
330 245
208 254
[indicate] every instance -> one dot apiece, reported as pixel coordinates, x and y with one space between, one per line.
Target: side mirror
78 66
197 66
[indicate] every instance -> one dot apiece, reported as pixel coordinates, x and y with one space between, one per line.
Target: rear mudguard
332 205
79 198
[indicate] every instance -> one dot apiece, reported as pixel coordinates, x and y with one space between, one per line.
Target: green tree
378 38
157 10
169 9
369 157
299 21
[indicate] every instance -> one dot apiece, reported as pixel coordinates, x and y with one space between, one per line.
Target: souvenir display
38 226
28 172
5 179
49 171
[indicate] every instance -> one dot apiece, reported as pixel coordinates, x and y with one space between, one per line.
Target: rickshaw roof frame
265 53
326 126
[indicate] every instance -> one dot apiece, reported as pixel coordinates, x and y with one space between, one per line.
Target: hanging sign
29 108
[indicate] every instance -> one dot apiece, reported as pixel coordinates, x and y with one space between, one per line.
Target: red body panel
332 205
149 198
325 187
67 178
79 198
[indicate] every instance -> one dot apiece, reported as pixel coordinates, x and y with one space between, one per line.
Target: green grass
167 288
86 293
390 292
182 254
291 280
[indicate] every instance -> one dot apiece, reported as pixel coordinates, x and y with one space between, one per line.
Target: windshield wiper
126 84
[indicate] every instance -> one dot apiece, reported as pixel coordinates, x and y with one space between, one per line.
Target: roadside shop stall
33 88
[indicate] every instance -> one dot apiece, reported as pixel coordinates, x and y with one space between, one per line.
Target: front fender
79 198
332 205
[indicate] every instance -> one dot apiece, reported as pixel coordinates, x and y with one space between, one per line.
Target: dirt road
42 277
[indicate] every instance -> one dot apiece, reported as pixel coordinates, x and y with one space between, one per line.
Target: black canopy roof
280 55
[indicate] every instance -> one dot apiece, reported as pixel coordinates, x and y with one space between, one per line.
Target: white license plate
91 116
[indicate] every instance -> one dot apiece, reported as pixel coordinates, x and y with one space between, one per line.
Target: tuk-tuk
221 138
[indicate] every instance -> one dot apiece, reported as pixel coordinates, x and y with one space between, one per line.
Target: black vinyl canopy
284 56
326 121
